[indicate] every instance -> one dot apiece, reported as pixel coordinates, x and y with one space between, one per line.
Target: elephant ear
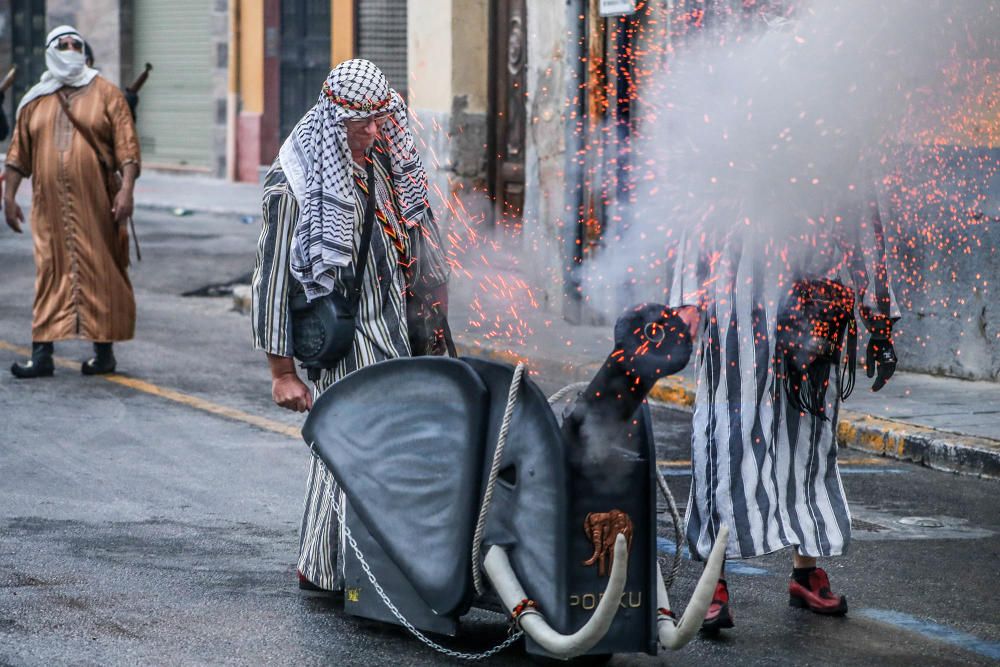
405 440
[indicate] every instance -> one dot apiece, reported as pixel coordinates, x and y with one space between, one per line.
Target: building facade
525 111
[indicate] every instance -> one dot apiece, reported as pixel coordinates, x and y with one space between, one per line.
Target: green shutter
175 116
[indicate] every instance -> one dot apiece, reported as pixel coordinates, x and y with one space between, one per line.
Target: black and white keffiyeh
317 162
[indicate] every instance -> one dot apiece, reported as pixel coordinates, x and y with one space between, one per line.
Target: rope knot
523 607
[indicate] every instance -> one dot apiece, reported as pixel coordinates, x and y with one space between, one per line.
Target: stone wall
545 215
946 262
447 52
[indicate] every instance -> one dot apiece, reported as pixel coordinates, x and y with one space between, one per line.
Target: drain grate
861 524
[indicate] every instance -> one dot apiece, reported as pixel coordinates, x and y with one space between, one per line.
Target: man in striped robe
315 196
759 465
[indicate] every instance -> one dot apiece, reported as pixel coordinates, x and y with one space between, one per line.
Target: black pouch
323 329
812 322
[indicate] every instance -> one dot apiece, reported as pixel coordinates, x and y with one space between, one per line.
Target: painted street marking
869 461
846 468
172 395
935 631
665 546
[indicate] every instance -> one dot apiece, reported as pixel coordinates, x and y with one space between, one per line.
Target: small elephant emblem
603 528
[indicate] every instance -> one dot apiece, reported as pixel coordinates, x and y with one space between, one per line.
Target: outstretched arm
877 305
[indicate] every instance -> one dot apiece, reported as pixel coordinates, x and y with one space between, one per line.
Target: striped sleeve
867 255
687 288
429 251
270 313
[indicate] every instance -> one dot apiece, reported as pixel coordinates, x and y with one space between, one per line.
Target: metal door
27 46
305 57
382 39
176 119
506 131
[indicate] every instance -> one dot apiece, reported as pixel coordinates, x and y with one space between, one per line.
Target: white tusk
675 636
511 592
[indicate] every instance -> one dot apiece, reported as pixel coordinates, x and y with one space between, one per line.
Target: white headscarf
317 162
65 68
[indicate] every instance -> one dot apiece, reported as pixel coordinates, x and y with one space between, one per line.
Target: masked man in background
315 196
74 136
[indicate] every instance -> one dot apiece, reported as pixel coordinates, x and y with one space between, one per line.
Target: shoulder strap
366 237
84 132
108 169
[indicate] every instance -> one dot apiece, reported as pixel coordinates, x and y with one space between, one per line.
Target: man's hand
287 389
122 208
12 212
291 393
880 359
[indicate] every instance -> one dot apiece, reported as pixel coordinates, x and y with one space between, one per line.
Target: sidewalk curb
939 450
193 210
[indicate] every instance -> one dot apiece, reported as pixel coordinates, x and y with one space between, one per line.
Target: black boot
103 361
40 364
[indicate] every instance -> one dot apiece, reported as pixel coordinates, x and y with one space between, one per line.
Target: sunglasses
360 123
67 44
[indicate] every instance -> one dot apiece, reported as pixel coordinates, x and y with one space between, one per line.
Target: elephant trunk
597 539
674 636
512 594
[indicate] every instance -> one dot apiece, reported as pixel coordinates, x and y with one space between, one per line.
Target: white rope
561 394
676 517
477 540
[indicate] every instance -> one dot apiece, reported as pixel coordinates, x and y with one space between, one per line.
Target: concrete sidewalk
943 423
184 194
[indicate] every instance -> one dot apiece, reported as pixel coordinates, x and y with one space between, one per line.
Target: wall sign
617 7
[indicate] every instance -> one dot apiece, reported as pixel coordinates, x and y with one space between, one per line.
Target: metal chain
514 637
477 539
676 517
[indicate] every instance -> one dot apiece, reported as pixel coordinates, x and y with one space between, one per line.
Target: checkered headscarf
318 165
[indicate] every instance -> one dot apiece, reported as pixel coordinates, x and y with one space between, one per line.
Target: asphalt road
145 520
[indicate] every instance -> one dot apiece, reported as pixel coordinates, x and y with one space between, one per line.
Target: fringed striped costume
381 320
758 465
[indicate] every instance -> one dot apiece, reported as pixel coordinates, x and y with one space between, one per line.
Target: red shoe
818 597
718 617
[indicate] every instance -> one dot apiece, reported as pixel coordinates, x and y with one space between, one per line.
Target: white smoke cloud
778 121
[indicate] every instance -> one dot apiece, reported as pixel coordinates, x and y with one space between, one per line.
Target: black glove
880 359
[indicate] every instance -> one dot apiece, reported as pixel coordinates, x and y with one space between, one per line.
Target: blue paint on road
844 470
665 546
941 633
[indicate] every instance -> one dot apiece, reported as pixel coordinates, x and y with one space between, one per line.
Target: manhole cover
922 521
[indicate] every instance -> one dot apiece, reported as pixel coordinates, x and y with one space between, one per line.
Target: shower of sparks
933 156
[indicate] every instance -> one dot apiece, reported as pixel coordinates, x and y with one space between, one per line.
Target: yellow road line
172 395
270 424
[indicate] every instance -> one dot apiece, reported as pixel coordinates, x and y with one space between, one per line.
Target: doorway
305 58
506 129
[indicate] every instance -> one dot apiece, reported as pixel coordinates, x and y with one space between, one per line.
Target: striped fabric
763 469
381 322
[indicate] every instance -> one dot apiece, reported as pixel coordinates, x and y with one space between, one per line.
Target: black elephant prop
462 489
